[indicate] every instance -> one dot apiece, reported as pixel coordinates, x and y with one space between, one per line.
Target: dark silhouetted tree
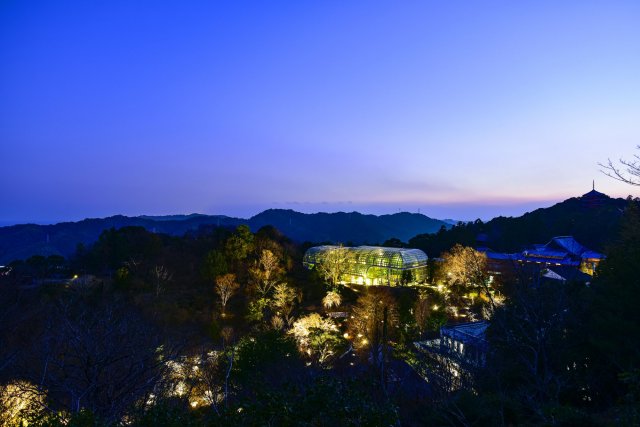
627 171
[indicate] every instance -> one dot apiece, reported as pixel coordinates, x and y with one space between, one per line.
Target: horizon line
513 203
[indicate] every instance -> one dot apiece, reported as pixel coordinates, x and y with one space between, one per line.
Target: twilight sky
459 109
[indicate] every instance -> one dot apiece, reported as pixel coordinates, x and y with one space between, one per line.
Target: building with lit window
370 265
466 340
563 251
563 256
459 351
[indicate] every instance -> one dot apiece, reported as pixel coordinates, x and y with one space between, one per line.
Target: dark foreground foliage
131 332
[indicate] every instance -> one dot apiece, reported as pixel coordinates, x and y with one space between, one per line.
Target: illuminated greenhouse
369 265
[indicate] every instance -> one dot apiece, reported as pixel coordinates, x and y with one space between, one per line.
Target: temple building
370 265
563 251
563 258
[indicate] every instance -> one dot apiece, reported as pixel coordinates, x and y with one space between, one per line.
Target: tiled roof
567 243
564 249
466 331
545 253
594 194
567 273
592 254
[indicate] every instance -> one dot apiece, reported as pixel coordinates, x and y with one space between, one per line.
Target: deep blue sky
459 109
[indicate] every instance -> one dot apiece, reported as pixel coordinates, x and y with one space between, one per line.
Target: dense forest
223 326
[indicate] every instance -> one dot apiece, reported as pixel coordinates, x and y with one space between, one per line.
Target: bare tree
226 286
533 338
133 264
230 357
161 276
375 319
104 359
12 316
227 335
208 376
628 171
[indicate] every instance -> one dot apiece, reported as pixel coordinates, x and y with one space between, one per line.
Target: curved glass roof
371 256
390 257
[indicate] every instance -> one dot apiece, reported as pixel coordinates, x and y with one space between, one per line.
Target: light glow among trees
225 287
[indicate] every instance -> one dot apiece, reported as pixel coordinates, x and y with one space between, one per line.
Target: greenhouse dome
368 265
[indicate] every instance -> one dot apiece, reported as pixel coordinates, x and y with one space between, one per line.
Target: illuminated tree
266 273
257 308
277 323
466 272
226 286
326 345
317 337
334 264
284 297
303 326
264 276
628 171
488 310
19 401
199 379
368 319
465 266
373 323
331 300
421 311
269 238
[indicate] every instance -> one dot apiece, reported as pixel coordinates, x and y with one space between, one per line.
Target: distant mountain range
592 219
25 240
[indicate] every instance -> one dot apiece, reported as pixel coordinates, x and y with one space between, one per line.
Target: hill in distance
593 219
25 240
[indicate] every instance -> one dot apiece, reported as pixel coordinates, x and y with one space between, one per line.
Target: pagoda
594 198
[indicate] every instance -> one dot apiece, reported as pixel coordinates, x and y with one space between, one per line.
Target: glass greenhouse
369 265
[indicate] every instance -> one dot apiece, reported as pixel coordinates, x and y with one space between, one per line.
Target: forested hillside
23 241
593 226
